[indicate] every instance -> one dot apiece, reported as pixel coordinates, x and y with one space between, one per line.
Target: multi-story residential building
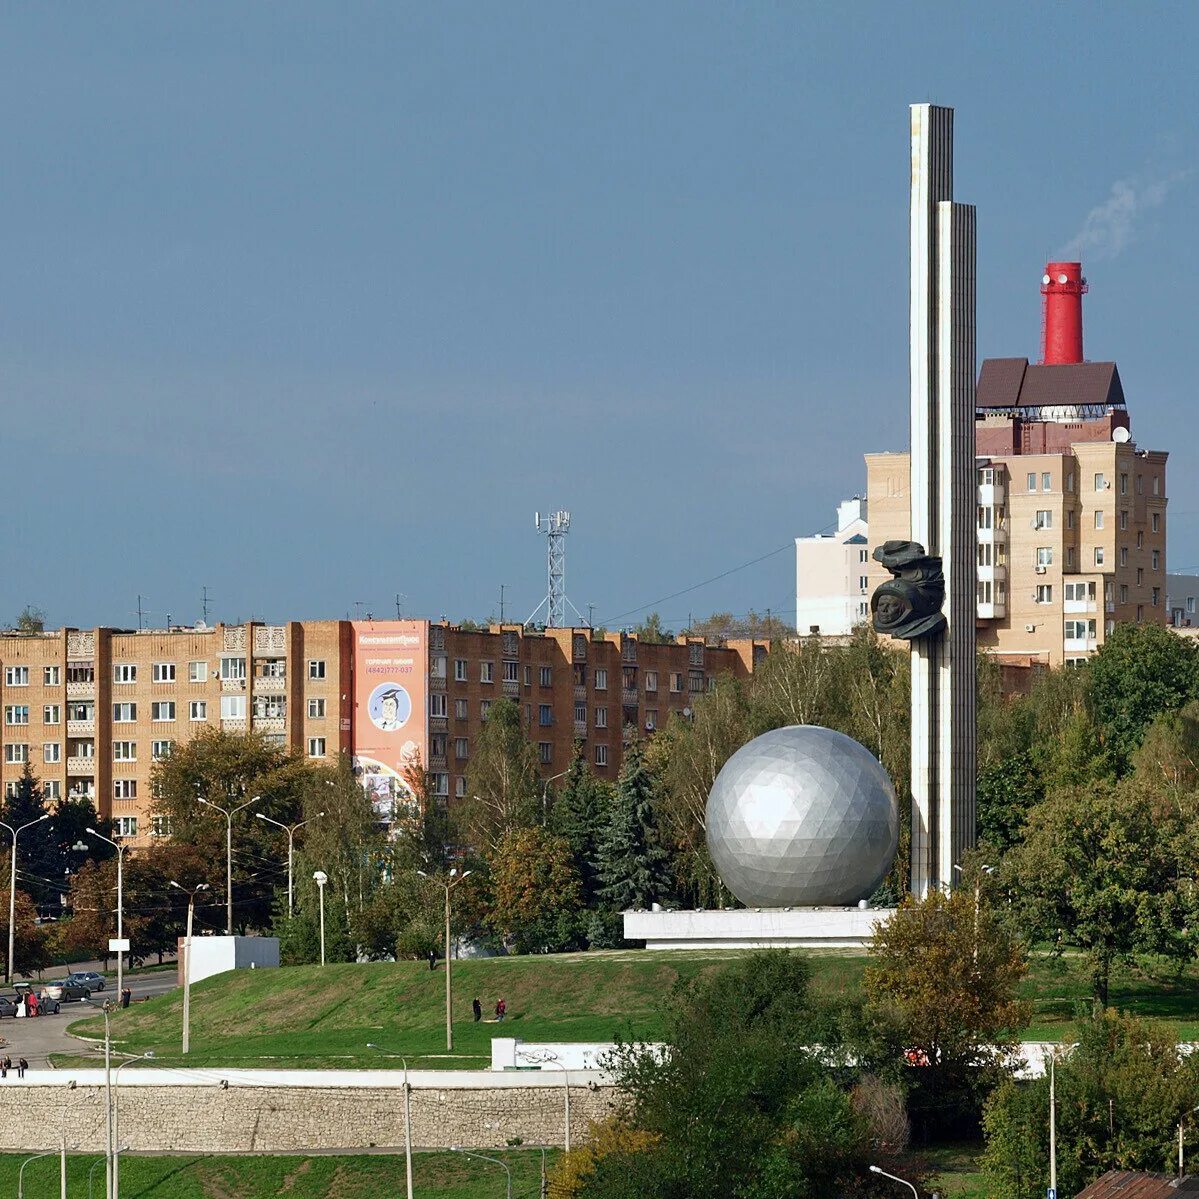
1182 600
1071 514
832 577
92 710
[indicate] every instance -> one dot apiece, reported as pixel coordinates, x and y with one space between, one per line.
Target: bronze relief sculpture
908 605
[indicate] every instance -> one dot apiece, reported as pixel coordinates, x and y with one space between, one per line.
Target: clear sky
312 304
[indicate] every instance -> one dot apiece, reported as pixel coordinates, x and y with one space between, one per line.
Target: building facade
1070 512
831 576
93 710
1182 600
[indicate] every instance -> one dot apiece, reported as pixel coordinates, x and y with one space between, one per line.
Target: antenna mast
555 526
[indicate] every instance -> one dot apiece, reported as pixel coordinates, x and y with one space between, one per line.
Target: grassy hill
317 1017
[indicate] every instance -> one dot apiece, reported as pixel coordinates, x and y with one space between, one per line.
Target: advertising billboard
391 721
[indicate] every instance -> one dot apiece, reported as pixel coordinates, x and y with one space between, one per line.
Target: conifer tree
577 815
631 863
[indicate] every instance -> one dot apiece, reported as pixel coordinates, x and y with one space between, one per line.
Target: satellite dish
537 521
1046 279
1063 279
1121 434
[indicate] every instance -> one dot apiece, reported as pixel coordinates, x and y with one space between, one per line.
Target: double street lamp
120 904
449 883
228 813
290 830
187 959
495 1161
321 878
12 884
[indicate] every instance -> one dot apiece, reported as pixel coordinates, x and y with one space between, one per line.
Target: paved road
35 1040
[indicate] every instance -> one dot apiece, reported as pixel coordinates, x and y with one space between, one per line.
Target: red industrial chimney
1061 329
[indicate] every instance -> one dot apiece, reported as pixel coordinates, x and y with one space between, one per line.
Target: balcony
438 724
1072 606
437 682
437 762
990 494
81 728
81 690
580 730
229 685
269 686
992 574
266 724
630 697
81 767
992 611
235 725
994 535
511 688
580 693
1080 645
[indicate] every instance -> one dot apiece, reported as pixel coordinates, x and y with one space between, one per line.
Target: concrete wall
190 1112
215 955
746 928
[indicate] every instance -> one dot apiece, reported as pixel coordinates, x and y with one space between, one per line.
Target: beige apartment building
92 710
1071 513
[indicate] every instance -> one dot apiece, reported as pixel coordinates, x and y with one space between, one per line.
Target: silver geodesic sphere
802 817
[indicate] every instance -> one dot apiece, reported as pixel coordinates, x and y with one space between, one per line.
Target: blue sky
314 304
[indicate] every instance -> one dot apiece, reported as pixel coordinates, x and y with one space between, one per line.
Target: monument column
942 312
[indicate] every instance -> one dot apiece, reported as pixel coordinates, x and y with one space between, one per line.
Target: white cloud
1110 226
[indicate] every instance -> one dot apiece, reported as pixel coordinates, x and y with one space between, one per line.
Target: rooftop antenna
139 613
400 597
204 602
555 526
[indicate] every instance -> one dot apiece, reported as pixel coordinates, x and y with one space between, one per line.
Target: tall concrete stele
943 253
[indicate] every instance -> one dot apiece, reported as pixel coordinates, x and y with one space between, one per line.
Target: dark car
8 1006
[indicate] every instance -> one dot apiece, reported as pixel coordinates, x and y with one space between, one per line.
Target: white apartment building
832 585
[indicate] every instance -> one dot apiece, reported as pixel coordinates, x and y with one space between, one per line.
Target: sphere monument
802 817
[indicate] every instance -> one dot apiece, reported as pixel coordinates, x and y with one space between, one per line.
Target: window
164 672
1157 485
863 556
486 672
271 668
197 710
316 709
1044 555
81 672
316 668
1079 630
51 714
1140 613
437 667
16 752
11 789
651 680
1069 480
1100 483
1123 593
984 553
441 784
460 709
124 672
1123 484
459 670
1157 594
1140 541
1123 518
545 752
511 672
601 680
601 718
124 713
863 582
233 707
1140 484
165 709
438 704
1045 593
270 707
233 668
1044 519
528 673
1070 519
16 714
1140 576
651 719
460 787
695 681
51 676
197 672
124 788
1099 555
1156 560
160 826
16 676
1080 591
1124 555
601 755
1032 481
985 518
316 747
1046 481
545 676
983 591
461 748
545 715
52 751
52 789
124 751
125 826
1156 525
485 708
676 681
580 713
1099 518
1191 604
161 749
437 745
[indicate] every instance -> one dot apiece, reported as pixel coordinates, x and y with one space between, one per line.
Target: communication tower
555 526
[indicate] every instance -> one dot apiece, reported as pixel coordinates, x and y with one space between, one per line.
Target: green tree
30 939
1006 793
503 780
651 632
1121 1092
631 863
577 815
41 865
535 894
1095 870
1141 671
740 1103
1168 756
31 620
942 981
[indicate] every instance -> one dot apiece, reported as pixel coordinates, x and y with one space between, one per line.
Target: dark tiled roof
1138 1184
1014 383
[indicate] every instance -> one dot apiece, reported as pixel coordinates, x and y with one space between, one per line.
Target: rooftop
1009 384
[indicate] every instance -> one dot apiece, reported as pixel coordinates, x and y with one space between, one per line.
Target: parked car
68 988
89 978
45 1005
8 1007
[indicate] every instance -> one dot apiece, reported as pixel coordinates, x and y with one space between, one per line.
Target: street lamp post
116 1124
545 793
109 1142
187 960
977 899
453 879
120 903
12 885
21 1172
495 1161
290 830
321 879
228 813
407 1120
896 1178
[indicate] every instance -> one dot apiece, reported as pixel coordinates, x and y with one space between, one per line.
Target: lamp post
1180 1142
495 1161
290 830
228 813
12 885
896 1178
120 902
321 878
21 1171
116 1127
109 1143
451 881
187 960
545 793
977 898
407 1120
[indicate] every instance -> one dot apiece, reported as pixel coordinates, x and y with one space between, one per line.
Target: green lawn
953 1171
314 1017
439 1175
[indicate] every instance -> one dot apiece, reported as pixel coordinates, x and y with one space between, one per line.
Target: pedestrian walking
501 1008
477 1008
34 1008
22 1066
5 1066
432 959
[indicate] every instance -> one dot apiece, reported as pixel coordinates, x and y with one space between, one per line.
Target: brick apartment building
92 710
